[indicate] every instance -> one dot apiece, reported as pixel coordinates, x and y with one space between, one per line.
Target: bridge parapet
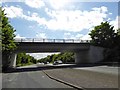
51 40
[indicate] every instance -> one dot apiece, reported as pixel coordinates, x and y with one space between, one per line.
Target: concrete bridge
84 52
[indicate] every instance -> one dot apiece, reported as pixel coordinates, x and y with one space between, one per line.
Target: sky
59 19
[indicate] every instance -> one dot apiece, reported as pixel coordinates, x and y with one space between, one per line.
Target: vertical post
33 40
54 40
73 40
81 41
43 40
63 40
13 60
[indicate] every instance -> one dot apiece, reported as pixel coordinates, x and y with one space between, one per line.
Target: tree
118 31
54 58
66 57
25 59
117 39
8 44
103 35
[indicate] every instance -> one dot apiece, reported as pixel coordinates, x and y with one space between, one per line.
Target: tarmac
81 77
84 79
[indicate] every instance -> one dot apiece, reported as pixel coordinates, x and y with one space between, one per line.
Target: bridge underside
83 51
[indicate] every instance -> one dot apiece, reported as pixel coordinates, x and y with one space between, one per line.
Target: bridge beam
13 60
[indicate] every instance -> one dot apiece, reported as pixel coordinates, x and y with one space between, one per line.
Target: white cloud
18 36
41 35
102 9
77 36
68 0
17 12
71 36
110 13
76 20
31 26
59 4
86 37
35 17
67 20
35 3
28 12
116 23
13 12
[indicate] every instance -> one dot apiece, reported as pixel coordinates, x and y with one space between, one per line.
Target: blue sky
59 19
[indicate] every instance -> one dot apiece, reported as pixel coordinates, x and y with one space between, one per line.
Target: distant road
35 79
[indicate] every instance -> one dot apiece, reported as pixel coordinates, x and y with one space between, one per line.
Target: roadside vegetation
24 59
67 57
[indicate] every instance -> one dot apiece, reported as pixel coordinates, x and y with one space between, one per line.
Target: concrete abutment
13 60
82 56
93 55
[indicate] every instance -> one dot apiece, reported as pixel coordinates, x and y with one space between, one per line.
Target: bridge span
51 45
84 52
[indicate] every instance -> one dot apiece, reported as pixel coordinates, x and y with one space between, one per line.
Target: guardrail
51 40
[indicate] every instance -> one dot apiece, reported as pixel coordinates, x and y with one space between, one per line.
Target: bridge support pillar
82 57
93 55
13 60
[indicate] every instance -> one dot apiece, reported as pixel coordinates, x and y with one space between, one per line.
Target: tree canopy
103 35
118 31
67 57
7 35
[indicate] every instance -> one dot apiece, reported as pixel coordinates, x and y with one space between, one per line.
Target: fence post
33 40
54 40
63 40
43 40
73 40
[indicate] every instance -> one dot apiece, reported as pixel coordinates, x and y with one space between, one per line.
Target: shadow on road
39 68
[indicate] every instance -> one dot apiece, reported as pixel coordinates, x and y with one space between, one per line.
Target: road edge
64 82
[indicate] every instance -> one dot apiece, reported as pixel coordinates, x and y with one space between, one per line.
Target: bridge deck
51 45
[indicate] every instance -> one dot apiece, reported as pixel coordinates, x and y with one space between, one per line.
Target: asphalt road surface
34 79
87 77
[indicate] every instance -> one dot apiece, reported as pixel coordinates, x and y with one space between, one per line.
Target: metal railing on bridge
51 40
